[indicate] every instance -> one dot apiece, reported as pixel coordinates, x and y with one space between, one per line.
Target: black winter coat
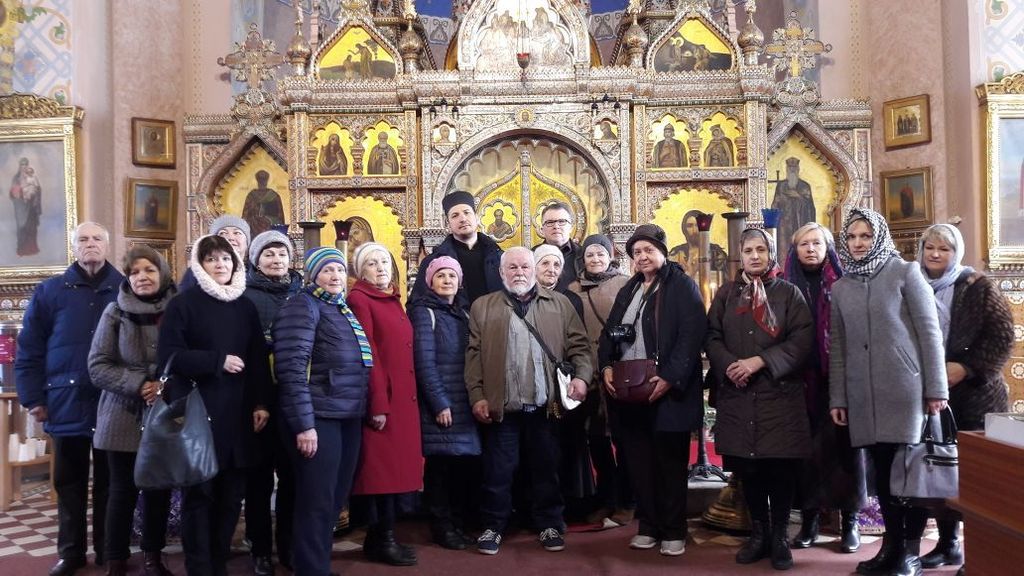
440 337
201 331
768 417
980 338
680 330
310 334
269 295
492 263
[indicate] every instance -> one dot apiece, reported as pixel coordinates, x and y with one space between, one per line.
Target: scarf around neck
754 299
224 292
882 249
357 328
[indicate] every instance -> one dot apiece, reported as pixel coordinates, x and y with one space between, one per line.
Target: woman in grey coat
759 337
122 362
887 370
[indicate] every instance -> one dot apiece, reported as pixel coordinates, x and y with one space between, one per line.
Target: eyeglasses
556 223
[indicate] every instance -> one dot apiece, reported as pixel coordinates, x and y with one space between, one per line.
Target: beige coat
557 322
597 298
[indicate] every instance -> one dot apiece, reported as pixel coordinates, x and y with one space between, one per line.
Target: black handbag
177 446
929 469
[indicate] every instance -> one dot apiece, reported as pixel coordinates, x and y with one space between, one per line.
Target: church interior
345 121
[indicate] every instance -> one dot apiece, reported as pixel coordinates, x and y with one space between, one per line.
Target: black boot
949 550
757 546
380 546
883 562
153 565
782 559
849 541
808 529
117 568
909 564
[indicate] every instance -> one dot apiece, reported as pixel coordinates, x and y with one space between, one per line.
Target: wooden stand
12 419
991 477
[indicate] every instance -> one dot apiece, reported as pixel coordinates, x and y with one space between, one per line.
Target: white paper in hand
563 390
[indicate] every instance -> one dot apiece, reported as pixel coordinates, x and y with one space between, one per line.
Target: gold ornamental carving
24 106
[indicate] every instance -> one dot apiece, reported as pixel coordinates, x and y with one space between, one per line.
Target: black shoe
381 547
67 566
908 565
885 560
449 539
262 566
153 565
782 558
758 546
849 540
946 552
808 529
117 568
962 571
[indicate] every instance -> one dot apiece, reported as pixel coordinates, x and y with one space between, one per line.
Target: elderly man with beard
514 393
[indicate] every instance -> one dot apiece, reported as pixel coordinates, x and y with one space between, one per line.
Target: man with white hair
53 383
515 337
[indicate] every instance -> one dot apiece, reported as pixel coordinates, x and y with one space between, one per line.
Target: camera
622 333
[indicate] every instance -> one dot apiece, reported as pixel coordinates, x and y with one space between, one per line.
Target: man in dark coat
478 254
556 230
53 383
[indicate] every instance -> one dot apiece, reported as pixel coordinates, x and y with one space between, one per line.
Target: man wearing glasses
556 230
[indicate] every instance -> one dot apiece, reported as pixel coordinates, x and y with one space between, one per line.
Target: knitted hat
265 239
651 233
453 199
544 250
599 240
442 263
317 258
364 250
222 222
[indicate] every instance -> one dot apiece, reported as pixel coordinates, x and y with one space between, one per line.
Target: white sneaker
641 542
673 547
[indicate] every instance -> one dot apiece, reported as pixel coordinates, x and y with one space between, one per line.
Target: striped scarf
339 301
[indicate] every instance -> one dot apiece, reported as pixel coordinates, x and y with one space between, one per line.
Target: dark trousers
71 481
769 486
613 489
538 437
902 522
448 489
657 464
209 513
156 506
259 489
322 484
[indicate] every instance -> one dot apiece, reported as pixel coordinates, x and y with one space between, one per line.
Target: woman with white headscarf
391 460
886 370
977 330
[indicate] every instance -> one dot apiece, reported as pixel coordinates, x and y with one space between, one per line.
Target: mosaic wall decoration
35 48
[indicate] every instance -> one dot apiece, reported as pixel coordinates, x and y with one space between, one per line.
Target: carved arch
701 12
204 200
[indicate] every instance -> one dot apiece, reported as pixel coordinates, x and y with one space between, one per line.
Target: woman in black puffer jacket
322 363
451 442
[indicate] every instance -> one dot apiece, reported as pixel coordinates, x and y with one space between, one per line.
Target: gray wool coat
887 353
122 359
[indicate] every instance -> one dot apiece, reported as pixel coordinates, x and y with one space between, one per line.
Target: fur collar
226 292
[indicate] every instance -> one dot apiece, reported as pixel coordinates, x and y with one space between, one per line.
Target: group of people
495 389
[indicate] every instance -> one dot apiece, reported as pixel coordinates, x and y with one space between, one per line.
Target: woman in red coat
391 459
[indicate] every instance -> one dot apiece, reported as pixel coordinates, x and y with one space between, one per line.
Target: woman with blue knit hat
322 362
451 442
269 282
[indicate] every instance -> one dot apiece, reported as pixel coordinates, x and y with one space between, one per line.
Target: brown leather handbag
632 378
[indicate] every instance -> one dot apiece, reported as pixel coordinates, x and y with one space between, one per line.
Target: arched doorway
514 177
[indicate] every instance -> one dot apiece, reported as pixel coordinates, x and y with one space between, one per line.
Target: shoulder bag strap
535 334
594 308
